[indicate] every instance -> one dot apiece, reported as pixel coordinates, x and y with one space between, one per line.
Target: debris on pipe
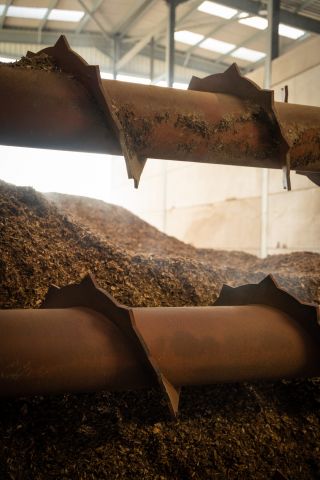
83 340
223 118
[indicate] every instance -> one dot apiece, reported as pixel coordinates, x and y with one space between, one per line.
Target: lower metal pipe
70 349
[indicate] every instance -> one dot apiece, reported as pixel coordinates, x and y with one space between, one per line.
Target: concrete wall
219 206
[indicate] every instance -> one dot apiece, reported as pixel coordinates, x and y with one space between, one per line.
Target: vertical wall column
116 55
170 41
152 44
171 25
272 52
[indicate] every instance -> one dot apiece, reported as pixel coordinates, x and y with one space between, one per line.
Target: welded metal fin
313 176
172 394
268 292
89 75
134 163
88 294
233 83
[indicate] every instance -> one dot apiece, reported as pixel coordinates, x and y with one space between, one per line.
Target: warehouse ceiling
209 36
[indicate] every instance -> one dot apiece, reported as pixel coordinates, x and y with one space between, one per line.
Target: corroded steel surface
223 118
301 126
191 126
50 110
83 340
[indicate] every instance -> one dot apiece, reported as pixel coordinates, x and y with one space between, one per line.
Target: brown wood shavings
299 273
40 61
239 431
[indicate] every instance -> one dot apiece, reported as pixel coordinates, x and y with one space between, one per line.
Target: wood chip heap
239 431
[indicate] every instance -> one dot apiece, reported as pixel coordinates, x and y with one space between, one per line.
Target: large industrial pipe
63 348
223 118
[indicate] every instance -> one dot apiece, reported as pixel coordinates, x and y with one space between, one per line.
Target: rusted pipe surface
203 345
301 127
222 118
51 110
108 346
192 126
65 350
78 349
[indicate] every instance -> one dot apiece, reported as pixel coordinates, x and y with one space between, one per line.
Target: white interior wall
217 206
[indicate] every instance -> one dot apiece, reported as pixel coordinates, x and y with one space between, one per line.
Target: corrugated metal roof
141 20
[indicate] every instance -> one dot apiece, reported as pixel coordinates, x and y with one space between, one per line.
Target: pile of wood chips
240 431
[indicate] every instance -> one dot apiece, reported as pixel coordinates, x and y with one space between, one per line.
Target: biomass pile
299 273
35 62
239 431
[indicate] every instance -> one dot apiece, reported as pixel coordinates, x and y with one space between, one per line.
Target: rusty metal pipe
64 350
51 110
301 127
77 349
203 345
192 126
108 346
223 118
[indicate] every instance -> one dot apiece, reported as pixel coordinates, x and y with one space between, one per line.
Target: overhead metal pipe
223 119
82 340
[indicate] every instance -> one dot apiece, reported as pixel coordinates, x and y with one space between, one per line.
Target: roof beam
202 64
17 35
304 5
4 13
12 35
300 21
242 44
133 51
133 19
51 6
214 30
291 19
273 32
89 15
159 30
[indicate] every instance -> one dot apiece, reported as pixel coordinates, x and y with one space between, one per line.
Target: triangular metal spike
172 394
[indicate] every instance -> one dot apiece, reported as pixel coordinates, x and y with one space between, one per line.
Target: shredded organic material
298 272
266 430
36 62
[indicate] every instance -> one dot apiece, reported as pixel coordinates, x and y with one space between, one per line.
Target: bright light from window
7 59
177 85
26 12
290 32
243 15
132 79
106 75
255 22
248 54
161 83
190 38
1 9
65 15
26 166
216 45
262 23
180 86
217 9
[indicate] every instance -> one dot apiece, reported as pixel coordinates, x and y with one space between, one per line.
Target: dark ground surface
240 431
